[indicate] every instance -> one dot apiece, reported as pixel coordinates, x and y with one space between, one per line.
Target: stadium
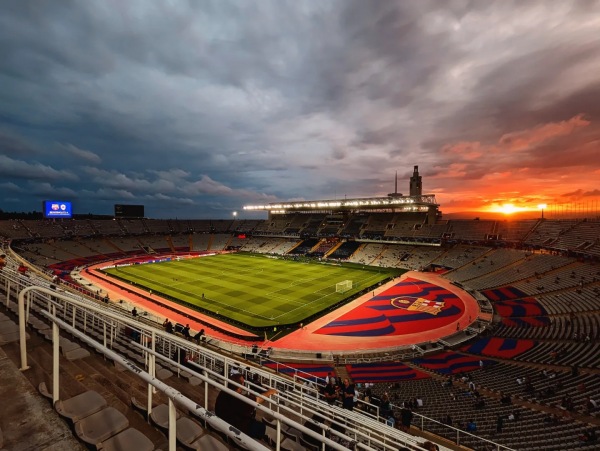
486 331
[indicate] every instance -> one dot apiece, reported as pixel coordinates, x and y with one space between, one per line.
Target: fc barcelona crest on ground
416 304
408 307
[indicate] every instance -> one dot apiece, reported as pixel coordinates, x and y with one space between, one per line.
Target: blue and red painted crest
409 307
418 304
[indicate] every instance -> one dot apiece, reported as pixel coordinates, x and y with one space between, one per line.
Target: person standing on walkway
348 395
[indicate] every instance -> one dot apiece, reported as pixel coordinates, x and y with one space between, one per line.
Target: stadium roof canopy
392 203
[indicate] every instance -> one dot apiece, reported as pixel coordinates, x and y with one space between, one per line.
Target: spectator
256 384
186 331
348 395
406 417
330 393
134 312
235 370
331 378
368 394
471 426
499 424
168 325
238 413
199 336
386 406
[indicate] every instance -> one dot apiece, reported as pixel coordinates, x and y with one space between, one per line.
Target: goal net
343 286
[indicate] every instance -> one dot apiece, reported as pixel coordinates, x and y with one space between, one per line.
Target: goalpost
343 286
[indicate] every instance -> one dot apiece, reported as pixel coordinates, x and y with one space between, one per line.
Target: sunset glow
508 209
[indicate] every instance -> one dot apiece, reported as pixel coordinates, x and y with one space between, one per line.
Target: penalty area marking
317 300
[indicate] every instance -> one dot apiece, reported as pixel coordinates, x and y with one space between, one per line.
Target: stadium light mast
234 215
542 207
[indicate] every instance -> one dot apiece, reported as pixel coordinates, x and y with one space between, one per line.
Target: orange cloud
492 176
465 149
525 139
516 141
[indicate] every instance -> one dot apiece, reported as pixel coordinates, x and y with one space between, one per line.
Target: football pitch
253 289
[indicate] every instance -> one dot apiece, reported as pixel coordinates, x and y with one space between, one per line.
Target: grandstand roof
397 203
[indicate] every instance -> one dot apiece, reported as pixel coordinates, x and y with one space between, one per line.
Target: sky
195 109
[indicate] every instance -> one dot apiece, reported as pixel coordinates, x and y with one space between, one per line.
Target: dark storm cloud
195 108
19 169
14 145
71 150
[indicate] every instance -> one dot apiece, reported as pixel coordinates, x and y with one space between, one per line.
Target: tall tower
395 193
416 185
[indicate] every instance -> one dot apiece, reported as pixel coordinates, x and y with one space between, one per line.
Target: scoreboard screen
129 211
57 209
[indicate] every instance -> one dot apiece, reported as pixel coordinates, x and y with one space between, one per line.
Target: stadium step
27 420
90 373
341 373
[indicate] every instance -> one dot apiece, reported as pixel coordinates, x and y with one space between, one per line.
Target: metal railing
174 396
81 319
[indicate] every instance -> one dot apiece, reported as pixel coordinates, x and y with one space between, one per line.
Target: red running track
414 308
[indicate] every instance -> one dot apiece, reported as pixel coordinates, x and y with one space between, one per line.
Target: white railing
364 432
174 396
460 436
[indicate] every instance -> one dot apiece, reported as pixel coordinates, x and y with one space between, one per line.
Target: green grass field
253 289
